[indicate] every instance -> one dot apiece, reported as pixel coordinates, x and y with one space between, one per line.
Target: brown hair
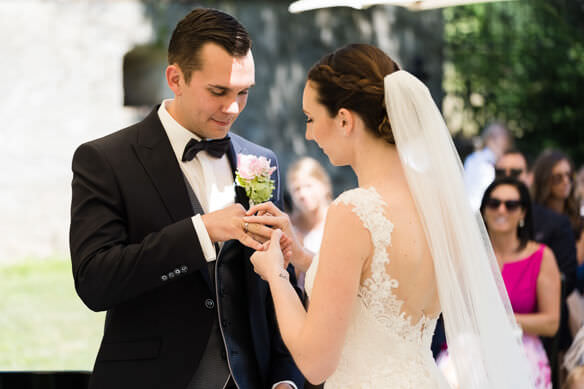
314 169
205 25
542 186
352 78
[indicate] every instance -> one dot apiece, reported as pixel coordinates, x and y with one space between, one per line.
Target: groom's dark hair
205 25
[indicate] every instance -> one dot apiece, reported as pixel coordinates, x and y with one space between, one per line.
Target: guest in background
528 268
580 188
311 193
513 164
479 166
553 230
529 271
553 187
574 362
575 379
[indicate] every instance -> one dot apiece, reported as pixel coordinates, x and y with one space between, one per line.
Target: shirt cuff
285 382
204 239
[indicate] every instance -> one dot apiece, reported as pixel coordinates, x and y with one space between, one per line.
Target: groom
157 237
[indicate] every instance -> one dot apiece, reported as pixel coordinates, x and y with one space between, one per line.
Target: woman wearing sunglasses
553 187
528 268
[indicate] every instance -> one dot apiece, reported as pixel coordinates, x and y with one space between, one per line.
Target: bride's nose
308 134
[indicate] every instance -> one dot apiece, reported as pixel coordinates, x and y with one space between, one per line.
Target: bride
398 250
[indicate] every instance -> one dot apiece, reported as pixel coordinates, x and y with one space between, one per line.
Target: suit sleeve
283 367
107 268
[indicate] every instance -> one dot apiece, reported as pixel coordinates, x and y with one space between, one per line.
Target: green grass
43 323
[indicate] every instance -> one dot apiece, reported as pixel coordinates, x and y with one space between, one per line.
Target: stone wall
61 69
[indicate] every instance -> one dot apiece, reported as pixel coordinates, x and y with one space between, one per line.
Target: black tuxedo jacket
135 253
556 232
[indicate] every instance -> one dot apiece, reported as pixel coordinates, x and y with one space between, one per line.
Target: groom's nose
232 107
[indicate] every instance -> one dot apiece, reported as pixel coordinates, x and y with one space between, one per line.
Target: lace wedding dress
383 348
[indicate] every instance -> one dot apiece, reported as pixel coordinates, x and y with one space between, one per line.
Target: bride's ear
345 121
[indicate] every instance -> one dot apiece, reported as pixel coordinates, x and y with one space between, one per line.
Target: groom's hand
268 214
227 223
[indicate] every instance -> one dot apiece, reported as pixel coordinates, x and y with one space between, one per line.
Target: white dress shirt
479 172
210 178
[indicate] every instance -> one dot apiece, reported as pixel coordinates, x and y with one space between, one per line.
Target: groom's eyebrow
226 89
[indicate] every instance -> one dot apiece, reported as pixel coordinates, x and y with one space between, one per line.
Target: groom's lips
221 122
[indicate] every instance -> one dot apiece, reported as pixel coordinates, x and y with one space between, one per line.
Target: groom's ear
174 78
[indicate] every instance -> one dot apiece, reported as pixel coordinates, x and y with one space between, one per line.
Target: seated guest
528 268
553 187
479 165
311 192
553 230
574 362
580 188
513 164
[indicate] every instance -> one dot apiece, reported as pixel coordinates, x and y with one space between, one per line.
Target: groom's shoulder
124 137
245 146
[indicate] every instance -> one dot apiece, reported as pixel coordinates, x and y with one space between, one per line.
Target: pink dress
520 279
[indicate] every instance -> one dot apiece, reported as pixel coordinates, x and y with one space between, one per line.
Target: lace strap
368 205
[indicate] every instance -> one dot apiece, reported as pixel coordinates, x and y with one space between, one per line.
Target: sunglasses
559 177
494 204
515 173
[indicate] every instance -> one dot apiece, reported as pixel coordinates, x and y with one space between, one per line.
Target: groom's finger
250 242
259 230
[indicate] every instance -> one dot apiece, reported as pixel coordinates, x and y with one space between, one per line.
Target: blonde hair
312 168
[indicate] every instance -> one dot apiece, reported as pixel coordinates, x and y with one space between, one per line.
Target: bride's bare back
410 261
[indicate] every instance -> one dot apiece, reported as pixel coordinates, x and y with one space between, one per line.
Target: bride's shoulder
360 200
358 196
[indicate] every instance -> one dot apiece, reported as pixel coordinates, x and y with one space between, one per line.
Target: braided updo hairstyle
352 78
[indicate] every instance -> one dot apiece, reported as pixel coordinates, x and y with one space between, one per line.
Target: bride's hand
269 263
269 215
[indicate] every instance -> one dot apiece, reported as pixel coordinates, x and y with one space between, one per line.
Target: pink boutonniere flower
253 174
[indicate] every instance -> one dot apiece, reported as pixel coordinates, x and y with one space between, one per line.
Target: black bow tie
216 148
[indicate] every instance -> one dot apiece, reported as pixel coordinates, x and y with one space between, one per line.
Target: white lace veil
483 337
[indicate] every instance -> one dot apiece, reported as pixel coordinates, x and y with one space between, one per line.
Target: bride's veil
482 334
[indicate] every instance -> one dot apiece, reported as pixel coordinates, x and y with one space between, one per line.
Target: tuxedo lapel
156 155
234 149
256 288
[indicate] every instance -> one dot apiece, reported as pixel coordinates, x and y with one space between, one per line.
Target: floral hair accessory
253 174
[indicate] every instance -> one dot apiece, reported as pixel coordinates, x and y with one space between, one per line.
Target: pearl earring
521 223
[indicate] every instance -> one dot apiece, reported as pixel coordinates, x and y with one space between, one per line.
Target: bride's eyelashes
308 120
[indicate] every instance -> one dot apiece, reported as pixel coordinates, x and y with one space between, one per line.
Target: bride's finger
265 207
277 221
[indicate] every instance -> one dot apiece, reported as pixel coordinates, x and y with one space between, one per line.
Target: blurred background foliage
520 62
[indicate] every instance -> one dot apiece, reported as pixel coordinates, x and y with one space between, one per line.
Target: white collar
177 134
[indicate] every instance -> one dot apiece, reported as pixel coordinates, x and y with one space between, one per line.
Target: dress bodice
383 348
520 279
